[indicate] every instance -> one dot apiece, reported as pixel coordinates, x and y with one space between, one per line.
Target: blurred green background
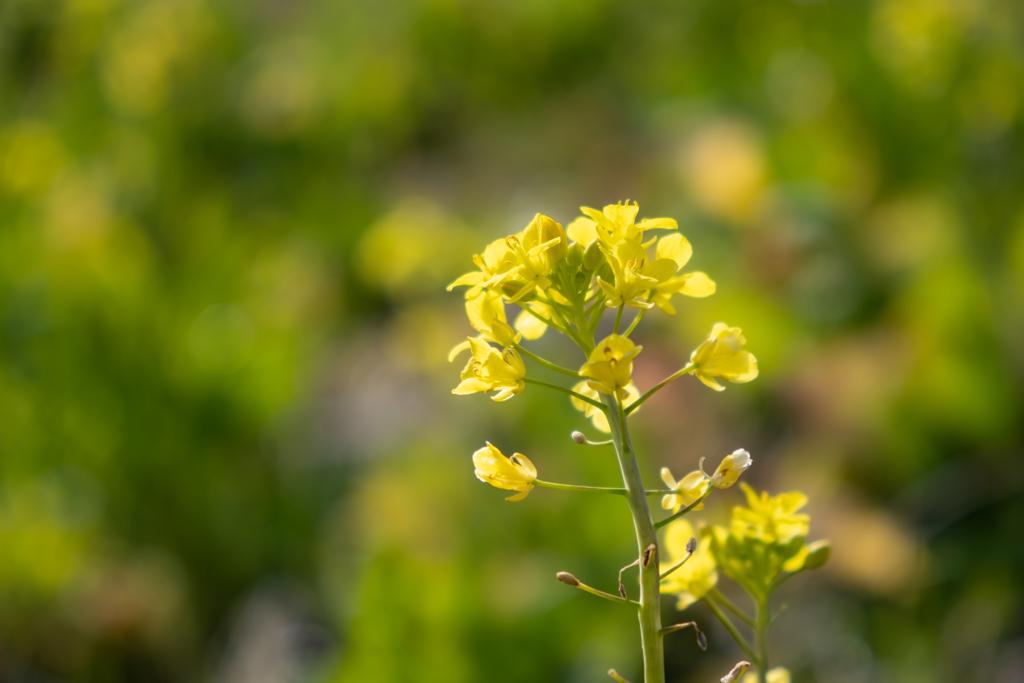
228 448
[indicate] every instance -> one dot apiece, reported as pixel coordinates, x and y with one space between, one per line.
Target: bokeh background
228 448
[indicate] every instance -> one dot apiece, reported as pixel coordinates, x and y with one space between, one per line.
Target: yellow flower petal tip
513 474
730 469
689 490
722 355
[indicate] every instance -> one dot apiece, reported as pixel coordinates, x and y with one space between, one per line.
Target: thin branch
618 317
622 589
546 363
584 489
570 580
658 525
729 605
530 380
731 629
639 316
676 566
668 380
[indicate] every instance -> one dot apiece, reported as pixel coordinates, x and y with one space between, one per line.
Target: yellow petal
697 285
674 247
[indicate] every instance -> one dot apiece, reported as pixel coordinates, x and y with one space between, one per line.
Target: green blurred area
228 448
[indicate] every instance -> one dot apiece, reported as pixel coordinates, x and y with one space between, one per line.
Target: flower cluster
565 279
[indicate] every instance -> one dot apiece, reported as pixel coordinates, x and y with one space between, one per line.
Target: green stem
530 380
546 363
646 537
667 520
546 321
638 318
618 318
567 328
597 489
668 380
727 623
763 623
729 605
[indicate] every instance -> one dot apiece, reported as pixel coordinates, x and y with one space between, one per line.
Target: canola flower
565 279
491 370
516 473
722 355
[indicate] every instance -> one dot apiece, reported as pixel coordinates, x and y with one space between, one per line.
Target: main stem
763 624
643 524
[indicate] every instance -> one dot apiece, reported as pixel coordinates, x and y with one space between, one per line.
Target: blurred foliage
227 445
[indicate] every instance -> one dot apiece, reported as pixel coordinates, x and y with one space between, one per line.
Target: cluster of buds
565 279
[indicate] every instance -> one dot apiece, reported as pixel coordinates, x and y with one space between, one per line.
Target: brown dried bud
579 437
649 553
691 545
702 640
567 578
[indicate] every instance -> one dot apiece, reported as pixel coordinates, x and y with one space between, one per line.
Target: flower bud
579 437
729 471
567 578
736 672
592 256
691 545
817 554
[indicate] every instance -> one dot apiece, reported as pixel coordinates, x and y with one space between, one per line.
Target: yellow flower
811 556
676 248
694 579
513 474
537 249
634 275
614 224
770 519
610 365
732 466
596 415
491 370
722 355
777 675
495 263
690 488
486 314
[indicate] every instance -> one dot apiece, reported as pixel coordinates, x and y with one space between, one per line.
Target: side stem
646 536
763 623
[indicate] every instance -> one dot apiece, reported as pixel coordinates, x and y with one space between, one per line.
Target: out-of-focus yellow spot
873 550
144 53
910 232
723 169
916 40
282 95
79 212
30 156
414 248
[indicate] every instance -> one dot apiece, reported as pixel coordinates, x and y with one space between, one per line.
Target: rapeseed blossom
610 365
730 469
771 519
677 249
513 474
613 224
491 370
722 355
779 674
486 313
689 489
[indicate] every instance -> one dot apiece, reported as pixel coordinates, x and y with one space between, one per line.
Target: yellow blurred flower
491 370
770 519
610 365
811 556
722 355
596 415
676 248
514 474
730 469
529 325
486 314
690 488
614 224
777 675
694 579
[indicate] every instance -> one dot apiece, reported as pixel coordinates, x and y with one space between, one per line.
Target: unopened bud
691 545
817 554
736 672
567 578
579 437
702 640
649 553
592 256
615 674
